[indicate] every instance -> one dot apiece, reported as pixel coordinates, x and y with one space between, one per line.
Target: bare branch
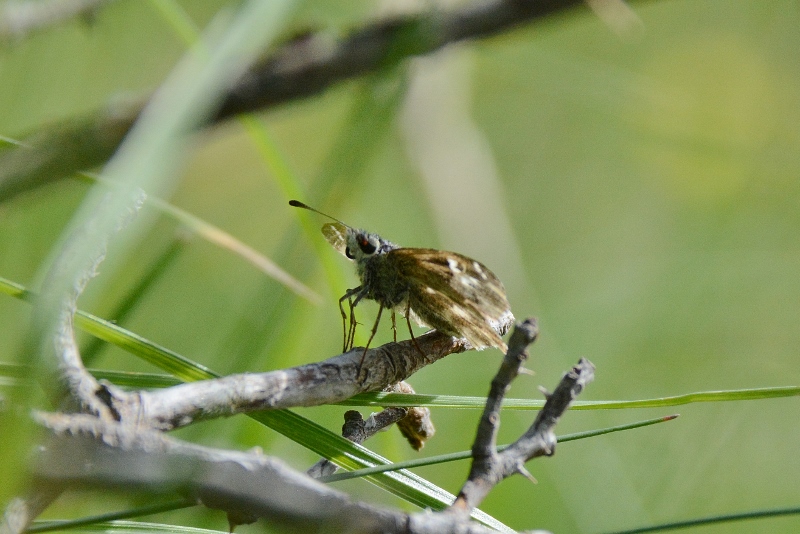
358 430
312 63
56 307
490 467
326 382
300 68
18 19
485 444
240 483
414 423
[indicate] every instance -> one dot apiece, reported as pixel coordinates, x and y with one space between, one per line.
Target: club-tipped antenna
298 204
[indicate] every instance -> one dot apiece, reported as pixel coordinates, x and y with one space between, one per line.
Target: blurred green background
639 194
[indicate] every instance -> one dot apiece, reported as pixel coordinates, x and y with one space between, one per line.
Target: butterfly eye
365 245
348 253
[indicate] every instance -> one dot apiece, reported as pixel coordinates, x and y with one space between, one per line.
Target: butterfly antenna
298 204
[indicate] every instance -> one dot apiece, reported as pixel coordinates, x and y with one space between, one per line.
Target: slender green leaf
713 520
82 523
140 526
221 238
404 484
451 401
464 455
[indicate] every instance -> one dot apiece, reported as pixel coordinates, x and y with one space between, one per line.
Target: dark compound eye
365 245
348 253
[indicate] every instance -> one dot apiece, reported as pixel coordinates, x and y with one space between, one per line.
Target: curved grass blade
144 528
219 237
341 451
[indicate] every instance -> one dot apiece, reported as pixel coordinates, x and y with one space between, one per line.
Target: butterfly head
357 245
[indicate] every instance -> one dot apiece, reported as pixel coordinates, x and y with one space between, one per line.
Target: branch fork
115 438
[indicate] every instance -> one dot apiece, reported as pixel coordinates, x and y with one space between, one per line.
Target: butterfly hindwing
454 294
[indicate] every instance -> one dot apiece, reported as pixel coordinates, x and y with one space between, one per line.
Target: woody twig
302 67
489 467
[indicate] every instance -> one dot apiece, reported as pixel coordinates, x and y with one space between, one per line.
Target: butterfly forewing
336 235
454 294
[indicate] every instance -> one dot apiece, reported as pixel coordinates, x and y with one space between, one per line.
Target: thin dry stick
358 430
98 452
88 452
302 67
326 382
414 423
490 467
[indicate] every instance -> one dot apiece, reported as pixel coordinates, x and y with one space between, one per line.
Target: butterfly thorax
380 278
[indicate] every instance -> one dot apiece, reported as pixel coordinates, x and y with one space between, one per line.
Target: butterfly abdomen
384 284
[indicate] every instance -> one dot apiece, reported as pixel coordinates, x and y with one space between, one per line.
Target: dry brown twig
87 450
115 441
119 435
301 67
489 467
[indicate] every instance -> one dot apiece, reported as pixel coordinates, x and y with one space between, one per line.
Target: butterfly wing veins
454 294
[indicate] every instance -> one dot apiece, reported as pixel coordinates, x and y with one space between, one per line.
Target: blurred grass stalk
162 357
92 349
404 484
148 160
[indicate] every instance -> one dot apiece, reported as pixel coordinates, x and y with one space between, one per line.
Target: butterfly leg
344 324
349 335
394 326
410 331
372 335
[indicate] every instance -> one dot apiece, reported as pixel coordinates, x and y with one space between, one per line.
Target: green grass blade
222 239
134 380
453 401
183 26
142 527
464 455
177 18
10 142
688 398
405 485
48 526
713 520
289 183
349 455
154 380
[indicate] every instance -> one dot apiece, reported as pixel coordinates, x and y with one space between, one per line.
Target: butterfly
447 291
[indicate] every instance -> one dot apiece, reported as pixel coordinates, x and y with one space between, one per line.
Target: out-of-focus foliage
638 194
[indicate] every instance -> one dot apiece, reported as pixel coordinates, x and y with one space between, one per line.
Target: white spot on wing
479 270
469 281
454 266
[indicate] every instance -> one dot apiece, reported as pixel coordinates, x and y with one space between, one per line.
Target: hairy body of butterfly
442 290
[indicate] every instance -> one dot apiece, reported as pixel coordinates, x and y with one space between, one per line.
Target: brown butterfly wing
454 294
